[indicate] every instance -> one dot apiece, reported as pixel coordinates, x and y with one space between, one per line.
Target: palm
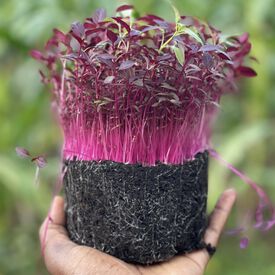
191 264
182 264
62 256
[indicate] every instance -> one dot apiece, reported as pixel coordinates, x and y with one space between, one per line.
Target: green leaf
180 54
180 27
133 16
193 34
177 14
109 79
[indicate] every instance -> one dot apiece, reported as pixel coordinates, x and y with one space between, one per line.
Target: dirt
140 214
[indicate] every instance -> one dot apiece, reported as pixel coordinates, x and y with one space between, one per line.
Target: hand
62 256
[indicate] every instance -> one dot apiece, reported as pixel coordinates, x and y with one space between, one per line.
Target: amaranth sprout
135 94
160 82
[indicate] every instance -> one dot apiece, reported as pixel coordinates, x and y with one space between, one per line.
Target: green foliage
244 133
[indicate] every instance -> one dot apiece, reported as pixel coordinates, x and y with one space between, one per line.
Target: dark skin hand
62 256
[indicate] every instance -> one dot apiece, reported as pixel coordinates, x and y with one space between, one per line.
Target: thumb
54 240
217 221
54 222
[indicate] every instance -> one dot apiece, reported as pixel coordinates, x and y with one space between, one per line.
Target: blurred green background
244 133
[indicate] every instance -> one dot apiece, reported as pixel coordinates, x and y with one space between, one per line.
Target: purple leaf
154 17
235 231
40 161
112 36
269 225
187 20
259 216
106 56
124 7
22 152
163 24
244 242
89 25
60 36
37 55
108 62
224 55
194 48
246 71
150 28
112 26
164 57
207 60
75 45
99 15
122 23
209 48
135 32
78 29
92 31
126 65
78 38
168 86
243 38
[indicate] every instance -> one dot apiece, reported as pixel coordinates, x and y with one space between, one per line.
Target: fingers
219 217
217 221
62 256
57 212
55 218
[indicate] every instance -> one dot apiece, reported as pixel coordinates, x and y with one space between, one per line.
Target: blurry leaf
167 86
112 36
246 71
193 34
244 242
78 29
176 102
179 52
105 56
124 7
40 161
207 60
19 180
243 38
235 231
109 79
224 55
126 65
36 55
122 23
150 28
99 15
176 12
138 82
209 48
22 152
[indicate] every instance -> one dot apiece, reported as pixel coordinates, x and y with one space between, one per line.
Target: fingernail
229 190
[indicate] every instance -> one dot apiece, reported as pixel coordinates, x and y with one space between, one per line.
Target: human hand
62 256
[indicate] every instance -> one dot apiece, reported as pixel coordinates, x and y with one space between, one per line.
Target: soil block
140 214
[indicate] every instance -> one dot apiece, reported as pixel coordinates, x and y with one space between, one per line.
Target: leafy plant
140 89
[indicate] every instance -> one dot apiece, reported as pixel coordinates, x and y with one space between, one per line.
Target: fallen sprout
39 161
